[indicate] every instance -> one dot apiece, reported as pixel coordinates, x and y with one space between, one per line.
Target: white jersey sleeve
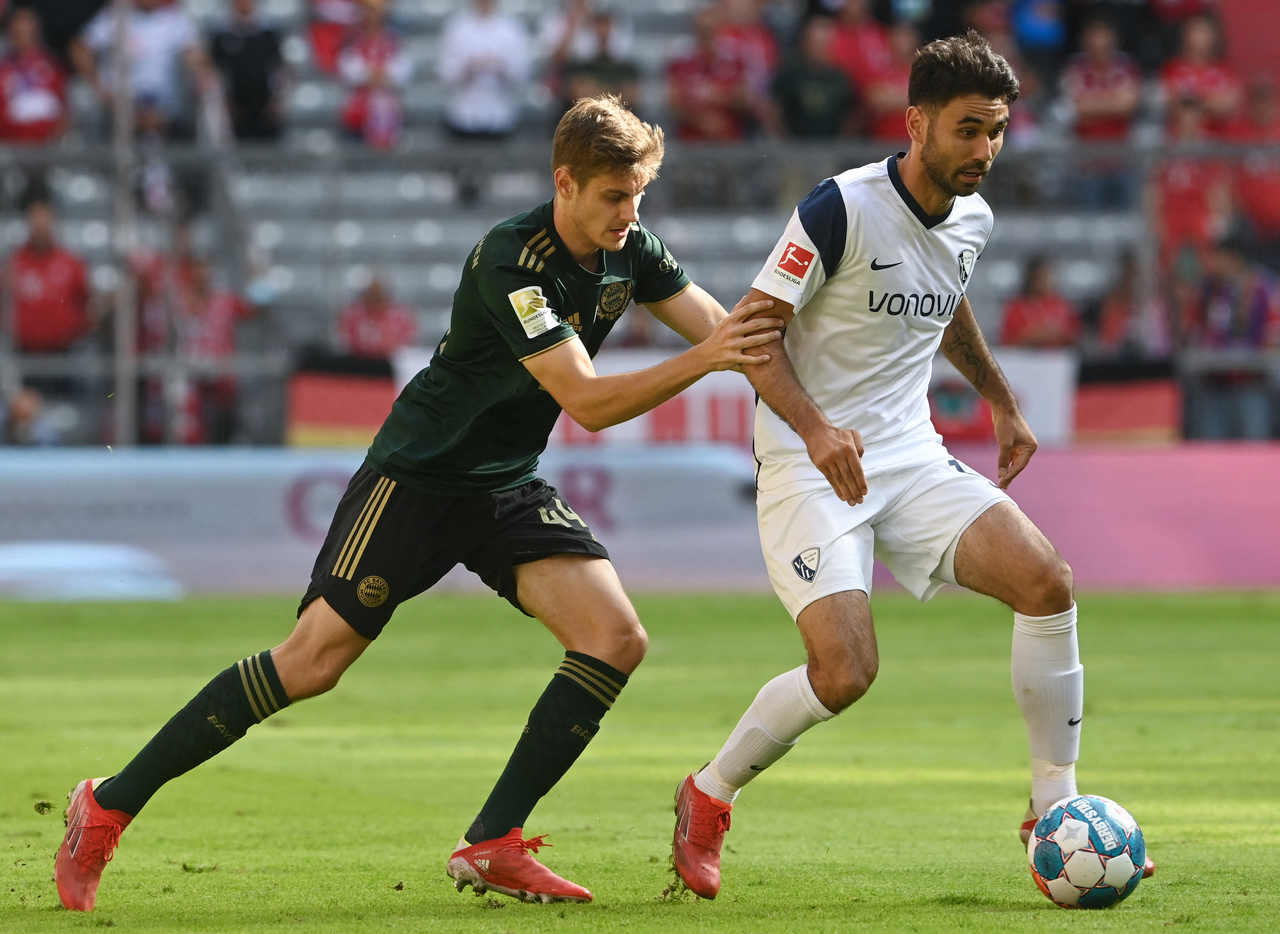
811 248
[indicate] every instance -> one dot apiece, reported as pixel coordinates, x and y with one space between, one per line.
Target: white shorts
815 545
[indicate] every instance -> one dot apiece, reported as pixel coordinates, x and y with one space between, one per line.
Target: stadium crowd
1109 71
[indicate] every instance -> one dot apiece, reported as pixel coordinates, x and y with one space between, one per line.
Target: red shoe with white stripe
92 835
1029 823
701 823
507 865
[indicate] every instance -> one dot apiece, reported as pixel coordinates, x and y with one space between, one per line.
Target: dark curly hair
949 68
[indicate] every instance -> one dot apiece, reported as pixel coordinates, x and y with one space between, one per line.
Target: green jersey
475 420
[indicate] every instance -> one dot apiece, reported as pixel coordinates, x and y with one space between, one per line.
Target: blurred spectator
814 97
375 326
1238 309
1102 84
33 93
1127 323
861 44
1134 22
48 287
885 93
1038 316
1104 88
707 90
1171 15
375 69
25 420
247 53
163 188
1199 72
165 49
605 72
160 278
991 18
331 22
205 333
1191 193
484 72
586 45
1257 178
1041 33
742 34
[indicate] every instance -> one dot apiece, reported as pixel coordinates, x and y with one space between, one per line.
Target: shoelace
706 826
88 856
533 844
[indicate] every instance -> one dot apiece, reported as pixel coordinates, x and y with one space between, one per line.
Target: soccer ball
1086 852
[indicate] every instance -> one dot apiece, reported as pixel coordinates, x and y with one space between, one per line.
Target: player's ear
917 124
566 187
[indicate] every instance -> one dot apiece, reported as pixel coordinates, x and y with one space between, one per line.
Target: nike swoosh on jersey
877 268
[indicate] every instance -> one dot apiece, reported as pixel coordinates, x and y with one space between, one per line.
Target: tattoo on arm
964 346
959 349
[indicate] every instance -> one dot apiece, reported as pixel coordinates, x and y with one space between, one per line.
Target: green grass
900 815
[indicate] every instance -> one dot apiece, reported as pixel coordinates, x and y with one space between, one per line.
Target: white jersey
874 281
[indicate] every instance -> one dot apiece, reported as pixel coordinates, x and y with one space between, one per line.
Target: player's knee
1053 589
628 643
316 674
839 685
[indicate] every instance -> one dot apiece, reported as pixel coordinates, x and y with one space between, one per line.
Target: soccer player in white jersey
870 274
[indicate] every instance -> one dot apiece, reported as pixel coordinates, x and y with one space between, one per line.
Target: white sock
1048 684
784 708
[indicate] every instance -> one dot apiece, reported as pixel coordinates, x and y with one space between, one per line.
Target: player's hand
725 347
1017 444
837 452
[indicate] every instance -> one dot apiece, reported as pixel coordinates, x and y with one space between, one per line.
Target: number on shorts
956 464
560 515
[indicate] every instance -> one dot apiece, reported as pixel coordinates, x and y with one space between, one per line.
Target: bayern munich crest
613 300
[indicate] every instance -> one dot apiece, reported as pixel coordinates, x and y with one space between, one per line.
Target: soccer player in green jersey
450 477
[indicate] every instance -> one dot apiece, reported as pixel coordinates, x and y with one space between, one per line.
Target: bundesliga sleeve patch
536 317
795 264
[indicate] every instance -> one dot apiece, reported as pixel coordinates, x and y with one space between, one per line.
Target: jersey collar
929 220
567 263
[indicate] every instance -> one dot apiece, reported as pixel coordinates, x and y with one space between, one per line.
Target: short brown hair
599 134
949 68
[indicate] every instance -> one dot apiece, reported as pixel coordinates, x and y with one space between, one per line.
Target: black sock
246 693
560 725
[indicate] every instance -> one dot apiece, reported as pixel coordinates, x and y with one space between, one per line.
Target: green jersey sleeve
522 306
658 275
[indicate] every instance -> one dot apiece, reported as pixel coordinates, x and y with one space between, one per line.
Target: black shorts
389 542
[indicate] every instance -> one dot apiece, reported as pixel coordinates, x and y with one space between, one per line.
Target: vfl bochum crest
966 258
613 300
805 564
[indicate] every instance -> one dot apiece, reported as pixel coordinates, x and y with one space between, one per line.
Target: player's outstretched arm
966 348
837 452
692 313
596 402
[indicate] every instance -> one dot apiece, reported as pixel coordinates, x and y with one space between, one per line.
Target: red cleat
701 822
506 865
1029 824
92 835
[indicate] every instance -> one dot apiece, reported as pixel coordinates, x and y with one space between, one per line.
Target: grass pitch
900 815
